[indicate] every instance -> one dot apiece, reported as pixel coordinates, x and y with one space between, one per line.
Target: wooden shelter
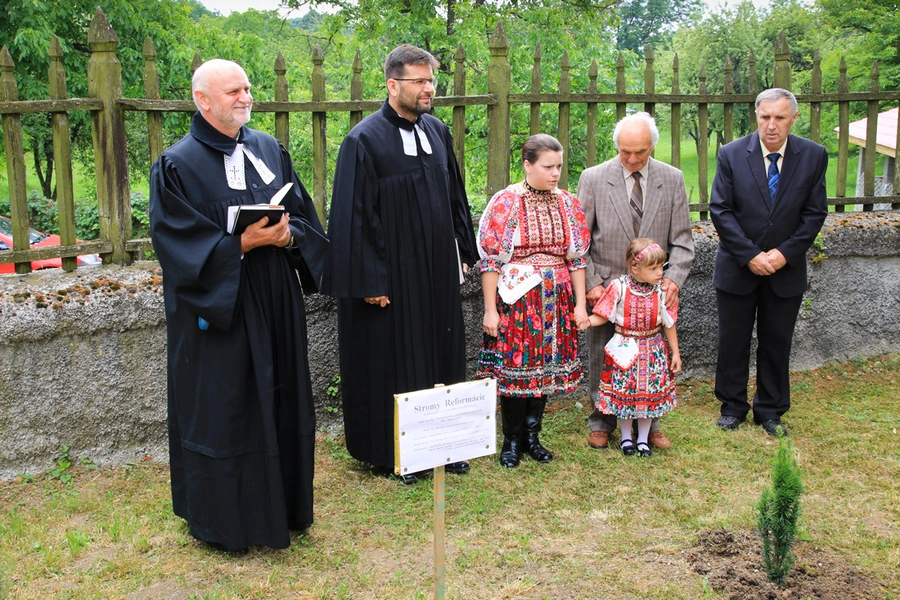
885 143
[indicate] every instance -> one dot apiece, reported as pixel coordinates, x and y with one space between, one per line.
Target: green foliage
867 30
61 470
44 215
644 22
732 34
334 393
778 511
27 27
819 246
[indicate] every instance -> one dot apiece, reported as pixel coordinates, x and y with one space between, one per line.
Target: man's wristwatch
291 243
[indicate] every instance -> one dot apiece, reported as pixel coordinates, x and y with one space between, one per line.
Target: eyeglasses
419 81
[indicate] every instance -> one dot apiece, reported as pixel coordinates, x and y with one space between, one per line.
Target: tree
646 22
374 27
732 34
870 30
27 27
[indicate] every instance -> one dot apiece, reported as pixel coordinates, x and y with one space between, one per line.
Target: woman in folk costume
638 376
532 239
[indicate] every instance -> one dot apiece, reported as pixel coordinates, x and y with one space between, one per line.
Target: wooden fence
107 108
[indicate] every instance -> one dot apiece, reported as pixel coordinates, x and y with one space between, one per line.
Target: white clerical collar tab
409 141
234 168
264 173
423 139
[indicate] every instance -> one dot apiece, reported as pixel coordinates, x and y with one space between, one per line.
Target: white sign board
444 425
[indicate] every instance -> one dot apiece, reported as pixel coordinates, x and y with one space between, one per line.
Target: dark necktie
773 175
637 202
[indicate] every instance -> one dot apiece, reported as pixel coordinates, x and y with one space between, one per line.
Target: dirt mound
732 563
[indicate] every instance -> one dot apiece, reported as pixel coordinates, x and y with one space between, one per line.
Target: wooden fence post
498 114
15 160
282 94
535 115
896 190
592 117
621 107
843 138
108 133
754 88
782 62
815 108
649 79
565 108
356 91
151 92
728 107
676 117
459 112
703 145
871 138
62 156
319 119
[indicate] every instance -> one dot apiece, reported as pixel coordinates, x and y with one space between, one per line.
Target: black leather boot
512 411
534 415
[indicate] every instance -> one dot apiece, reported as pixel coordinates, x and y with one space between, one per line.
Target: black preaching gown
394 226
241 419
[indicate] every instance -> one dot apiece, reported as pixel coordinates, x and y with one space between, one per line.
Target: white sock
625 426
643 430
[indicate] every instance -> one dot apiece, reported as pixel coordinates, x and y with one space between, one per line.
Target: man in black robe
241 419
400 232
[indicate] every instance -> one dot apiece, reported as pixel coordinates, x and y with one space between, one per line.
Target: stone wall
83 355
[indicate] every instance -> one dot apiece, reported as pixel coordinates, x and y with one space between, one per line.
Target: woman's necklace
537 192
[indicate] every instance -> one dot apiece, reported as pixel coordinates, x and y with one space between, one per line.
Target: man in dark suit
768 204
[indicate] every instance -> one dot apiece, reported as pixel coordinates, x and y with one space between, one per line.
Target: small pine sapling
778 511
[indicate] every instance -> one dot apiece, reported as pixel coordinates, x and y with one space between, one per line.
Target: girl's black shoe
628 448
643 450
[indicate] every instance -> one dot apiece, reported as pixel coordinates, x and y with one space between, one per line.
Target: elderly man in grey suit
627 197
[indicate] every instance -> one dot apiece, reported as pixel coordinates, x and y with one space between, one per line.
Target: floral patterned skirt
536 350
644 391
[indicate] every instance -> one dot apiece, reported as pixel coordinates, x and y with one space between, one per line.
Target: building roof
886 137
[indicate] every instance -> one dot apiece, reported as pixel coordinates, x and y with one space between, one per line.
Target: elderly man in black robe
400 233
240 406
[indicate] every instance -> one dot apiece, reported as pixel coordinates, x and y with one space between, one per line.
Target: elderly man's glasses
418 81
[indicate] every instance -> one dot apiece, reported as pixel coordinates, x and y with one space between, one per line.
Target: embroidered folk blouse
522 229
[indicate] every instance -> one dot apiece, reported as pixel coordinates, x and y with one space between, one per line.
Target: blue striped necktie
773 175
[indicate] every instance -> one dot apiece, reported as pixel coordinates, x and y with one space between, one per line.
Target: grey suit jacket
667 220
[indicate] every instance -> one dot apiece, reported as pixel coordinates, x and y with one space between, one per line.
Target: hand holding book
242 215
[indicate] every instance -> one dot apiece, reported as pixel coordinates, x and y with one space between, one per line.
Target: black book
243 215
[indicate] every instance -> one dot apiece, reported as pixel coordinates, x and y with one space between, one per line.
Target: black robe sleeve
356 266
310 248
202 265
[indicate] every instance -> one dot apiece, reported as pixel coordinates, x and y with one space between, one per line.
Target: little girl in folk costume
638 381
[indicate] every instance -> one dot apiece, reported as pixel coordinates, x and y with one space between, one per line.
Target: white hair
774 95
638 118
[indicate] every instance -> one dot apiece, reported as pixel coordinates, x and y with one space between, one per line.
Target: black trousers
775 318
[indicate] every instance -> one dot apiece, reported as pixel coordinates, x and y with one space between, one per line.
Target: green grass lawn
591 524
